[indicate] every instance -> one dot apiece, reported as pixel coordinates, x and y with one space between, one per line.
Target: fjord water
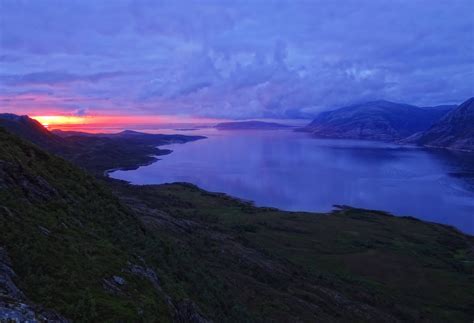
294 171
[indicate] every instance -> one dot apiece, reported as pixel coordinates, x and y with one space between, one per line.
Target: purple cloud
52 78
241 59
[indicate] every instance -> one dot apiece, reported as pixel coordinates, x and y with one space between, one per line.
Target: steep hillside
455 130
378 120
72 245
175 252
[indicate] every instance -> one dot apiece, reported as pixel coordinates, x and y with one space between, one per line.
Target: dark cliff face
378 120
455 130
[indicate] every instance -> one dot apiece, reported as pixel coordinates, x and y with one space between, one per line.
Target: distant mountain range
377 120
251 125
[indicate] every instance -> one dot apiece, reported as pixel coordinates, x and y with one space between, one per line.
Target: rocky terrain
251 125
83 248
378 120
454 131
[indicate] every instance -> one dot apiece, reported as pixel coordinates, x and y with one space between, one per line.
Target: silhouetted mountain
455 130
95 152
31 130
251 125
378 120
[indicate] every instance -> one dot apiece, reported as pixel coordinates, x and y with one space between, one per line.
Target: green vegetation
66 234
177 252
409 268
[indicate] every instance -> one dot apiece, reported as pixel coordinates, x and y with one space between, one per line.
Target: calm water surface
293 171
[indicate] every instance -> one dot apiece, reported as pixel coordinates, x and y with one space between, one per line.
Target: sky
236 59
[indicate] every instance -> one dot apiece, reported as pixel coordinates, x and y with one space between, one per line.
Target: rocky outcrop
7 286
14 306
454 131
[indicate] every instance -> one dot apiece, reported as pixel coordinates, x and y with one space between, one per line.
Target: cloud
54 77
81 112
240 59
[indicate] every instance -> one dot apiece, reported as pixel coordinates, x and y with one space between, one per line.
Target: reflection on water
293 171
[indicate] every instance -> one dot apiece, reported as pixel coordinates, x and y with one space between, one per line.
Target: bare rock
145 272
14 306
119 280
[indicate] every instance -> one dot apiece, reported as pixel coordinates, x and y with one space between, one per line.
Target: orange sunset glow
48 121
64 121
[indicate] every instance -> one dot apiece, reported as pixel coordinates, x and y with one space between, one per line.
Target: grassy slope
66 233
409 268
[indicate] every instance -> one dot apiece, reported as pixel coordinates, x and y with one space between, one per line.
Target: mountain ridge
375 120
454 131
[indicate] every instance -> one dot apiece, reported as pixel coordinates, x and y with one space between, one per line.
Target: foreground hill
378 120
95 152
251 125
73 248
455 130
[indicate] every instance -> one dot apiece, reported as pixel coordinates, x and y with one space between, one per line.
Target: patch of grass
415 269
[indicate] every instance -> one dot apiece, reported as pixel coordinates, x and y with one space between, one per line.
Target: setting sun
48 121
65 121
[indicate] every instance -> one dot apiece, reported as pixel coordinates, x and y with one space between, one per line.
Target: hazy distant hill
250 125
130 135
378 120
455 130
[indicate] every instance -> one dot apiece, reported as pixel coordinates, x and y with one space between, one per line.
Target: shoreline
398 142
154 157
252 203
111 170
107 173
